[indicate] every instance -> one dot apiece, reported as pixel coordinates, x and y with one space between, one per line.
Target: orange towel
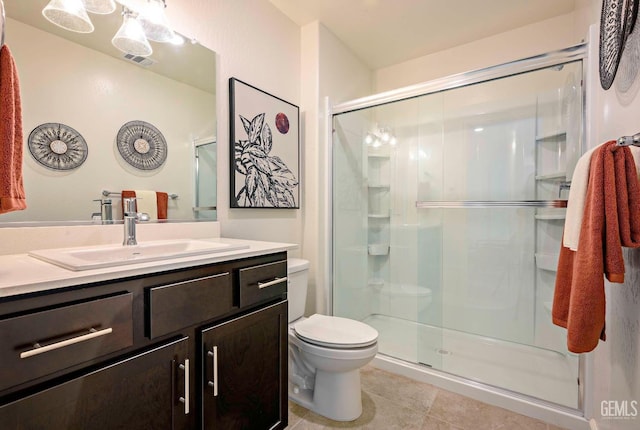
611 220
162 200
12 197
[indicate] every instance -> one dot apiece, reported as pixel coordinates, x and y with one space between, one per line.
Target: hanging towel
153 203
578 193
12 197
575 206
146 202
611 220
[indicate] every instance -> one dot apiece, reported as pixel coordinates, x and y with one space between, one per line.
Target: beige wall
332 71
534 39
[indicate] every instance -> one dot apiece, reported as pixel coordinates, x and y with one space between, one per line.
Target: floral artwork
264 139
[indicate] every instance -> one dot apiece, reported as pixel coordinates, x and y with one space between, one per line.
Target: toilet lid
335 332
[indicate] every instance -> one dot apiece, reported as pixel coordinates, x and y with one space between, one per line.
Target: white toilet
325 354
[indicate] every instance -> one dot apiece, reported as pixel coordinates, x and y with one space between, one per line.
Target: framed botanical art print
264 149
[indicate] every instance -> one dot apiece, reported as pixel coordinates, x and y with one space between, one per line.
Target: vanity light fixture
143 20
100 7
130 38
155 23
68 14
139 6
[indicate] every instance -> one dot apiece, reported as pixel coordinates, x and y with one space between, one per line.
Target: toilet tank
297 274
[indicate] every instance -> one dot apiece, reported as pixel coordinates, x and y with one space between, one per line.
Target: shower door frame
570 54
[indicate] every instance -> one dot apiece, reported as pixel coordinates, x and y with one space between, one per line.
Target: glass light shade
101 7
68 14
155 23
130 37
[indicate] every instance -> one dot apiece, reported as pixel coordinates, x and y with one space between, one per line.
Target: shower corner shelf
379 186
375 282
552 137
378 155
553 176
547 262
379 216
379 249
552 215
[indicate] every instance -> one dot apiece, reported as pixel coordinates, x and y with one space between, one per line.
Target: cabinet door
143 392
245 372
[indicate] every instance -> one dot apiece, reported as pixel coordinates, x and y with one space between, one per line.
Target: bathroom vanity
198 342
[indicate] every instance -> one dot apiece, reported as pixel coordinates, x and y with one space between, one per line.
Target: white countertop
21 273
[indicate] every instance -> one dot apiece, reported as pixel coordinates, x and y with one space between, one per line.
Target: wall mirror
83 82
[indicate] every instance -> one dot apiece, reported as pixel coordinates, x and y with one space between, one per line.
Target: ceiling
386 32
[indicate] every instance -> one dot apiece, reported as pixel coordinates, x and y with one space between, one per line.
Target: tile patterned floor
422 407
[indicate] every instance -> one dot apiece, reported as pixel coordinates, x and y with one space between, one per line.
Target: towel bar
629 140
115 194
3 21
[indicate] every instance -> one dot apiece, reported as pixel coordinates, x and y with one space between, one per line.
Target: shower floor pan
532 371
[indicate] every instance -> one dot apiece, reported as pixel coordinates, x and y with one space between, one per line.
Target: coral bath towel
12 197
162 203
611 220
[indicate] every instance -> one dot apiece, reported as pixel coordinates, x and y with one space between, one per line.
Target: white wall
259 45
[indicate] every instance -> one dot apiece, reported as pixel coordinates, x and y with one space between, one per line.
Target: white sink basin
95 257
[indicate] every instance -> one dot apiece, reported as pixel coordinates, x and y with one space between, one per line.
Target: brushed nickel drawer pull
270 283
214 384
38 349
185 399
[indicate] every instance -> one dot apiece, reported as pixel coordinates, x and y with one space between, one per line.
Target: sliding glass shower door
447 225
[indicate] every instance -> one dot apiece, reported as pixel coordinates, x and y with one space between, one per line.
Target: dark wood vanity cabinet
244 360
138 393
146 352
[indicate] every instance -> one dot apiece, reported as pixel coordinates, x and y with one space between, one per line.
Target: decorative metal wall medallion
57 146
142 145
616 23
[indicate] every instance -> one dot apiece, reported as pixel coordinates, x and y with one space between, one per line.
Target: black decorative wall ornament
617 21
142 145
57 146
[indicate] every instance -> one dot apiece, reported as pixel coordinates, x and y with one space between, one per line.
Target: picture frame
264 149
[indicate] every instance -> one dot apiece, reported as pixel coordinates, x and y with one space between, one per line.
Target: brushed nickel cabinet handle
185 399
270 283
38 349
214 384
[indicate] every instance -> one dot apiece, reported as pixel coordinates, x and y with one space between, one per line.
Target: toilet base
336 396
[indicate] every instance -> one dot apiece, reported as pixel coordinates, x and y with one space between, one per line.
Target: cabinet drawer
263 282
43 342
175 306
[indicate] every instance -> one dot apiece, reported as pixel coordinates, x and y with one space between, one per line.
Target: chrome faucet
130 218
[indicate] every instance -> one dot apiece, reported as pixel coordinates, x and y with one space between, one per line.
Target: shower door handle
467 204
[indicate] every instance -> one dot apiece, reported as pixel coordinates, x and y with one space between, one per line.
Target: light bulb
130 37
155 23
68 14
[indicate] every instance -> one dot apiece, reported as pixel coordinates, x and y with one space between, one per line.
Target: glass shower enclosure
448 210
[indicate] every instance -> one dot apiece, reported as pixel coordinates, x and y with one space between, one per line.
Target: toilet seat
335 332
